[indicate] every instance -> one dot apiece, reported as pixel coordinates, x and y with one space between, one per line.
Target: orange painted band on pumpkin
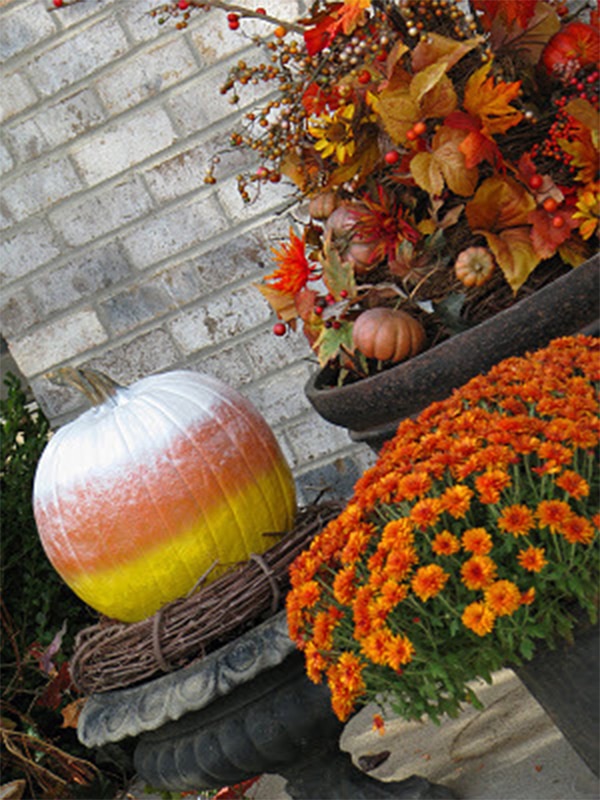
150 508
135 588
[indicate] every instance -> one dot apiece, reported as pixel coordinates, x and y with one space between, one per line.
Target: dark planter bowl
372 408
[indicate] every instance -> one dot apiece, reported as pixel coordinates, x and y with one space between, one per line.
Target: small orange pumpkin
474 266
388 334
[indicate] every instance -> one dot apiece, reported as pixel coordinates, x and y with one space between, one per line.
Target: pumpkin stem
97 387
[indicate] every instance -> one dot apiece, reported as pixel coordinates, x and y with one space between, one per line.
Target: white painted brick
145 74
234 260
281 397
6 220
27 250
269 198
74 13
217 320
185 172
102 211
120 146
82 277
54 125
163 235
40 188
269 353
58 341
141 26
82 53
312 437
6 160
200 103
151 352
17 312
26 139
227 365
22 27
214 40
15 96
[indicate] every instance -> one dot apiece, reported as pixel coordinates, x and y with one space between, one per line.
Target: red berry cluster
550 150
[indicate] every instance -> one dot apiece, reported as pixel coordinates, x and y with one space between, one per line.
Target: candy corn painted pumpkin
139 496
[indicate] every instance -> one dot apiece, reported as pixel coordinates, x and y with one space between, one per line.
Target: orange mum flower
533 559
349 671
294 271
528 597
445 544
425 512
577 530
375 646
399 651
490 484
456 500
503 598
414 485
477 541
573 484
478 572
315 662
308 594
398 533
478 618
429 581
516 519
400 562
553 514
344 585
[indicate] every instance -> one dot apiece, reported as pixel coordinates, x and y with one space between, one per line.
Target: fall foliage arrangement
471 540
448 154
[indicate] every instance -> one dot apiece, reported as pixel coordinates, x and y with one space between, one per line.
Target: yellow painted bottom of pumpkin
238 527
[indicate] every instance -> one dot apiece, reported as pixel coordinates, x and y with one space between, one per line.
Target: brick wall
115 254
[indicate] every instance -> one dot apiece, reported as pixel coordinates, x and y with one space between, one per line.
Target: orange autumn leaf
71 713
519 11
500 202
546 235
282 303
489 101
352 14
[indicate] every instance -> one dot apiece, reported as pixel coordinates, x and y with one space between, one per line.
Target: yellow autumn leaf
435 48
489 101
425 80
514 254
427 173
444 166
440 100
398 112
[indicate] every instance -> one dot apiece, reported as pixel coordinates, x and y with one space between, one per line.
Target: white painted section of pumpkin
108 438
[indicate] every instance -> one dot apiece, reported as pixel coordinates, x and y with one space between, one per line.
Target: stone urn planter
373 407
241 711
